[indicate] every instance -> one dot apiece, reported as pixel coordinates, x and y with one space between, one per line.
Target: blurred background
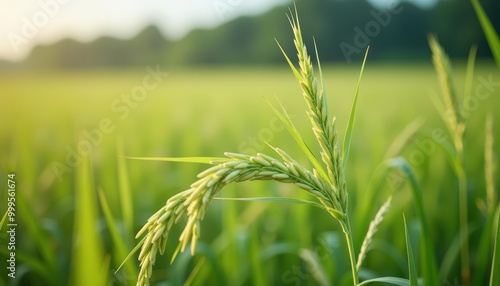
73 34
85 83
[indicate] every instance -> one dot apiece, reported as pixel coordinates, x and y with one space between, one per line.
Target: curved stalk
346 228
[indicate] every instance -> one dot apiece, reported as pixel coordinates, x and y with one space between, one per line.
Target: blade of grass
487 236
3 219
34 230
194 273
389 280
428 260
484 251
125 193
350 124
495 274
131 253
320 71
450 258
276 200
471 62
489 30
211 259
200 160
412 270
365 206
88 258
490 165
119 247
298 138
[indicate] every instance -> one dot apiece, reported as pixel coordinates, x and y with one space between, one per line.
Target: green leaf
200 160
495 274
298 138
132 252
412 270
320 71
88 255
3 219
450 258
429 262
489 31
350 124
292 67
276 200
471 62
402 140
37 234
126 203
390 280
118 242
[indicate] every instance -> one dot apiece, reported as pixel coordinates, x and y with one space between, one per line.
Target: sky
24 24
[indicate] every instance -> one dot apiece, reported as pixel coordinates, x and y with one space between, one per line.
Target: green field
54 123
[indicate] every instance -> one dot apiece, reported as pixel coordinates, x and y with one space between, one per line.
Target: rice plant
325 182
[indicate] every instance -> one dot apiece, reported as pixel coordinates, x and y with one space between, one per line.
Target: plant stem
464 236
346 227
463 205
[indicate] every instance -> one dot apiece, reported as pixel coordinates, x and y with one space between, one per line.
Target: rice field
80 201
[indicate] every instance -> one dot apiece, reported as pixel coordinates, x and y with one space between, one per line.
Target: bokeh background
83 84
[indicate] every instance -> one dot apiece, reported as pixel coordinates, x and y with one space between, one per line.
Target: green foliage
246 40
495 276
88 259
183 118
489 30
412 270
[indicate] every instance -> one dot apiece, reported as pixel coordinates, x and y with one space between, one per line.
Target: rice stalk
194 202
489 167
443 69
329 189
372 229
456 125
322 125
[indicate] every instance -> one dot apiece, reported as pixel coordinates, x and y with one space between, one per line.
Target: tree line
342 30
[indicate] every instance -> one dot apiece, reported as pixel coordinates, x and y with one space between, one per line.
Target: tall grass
328 186
80 229
456 126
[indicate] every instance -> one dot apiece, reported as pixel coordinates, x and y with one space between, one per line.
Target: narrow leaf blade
275 200
495 274
412 270
350 124
199 160
389 280
489 31
118 242
298 138
429 266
